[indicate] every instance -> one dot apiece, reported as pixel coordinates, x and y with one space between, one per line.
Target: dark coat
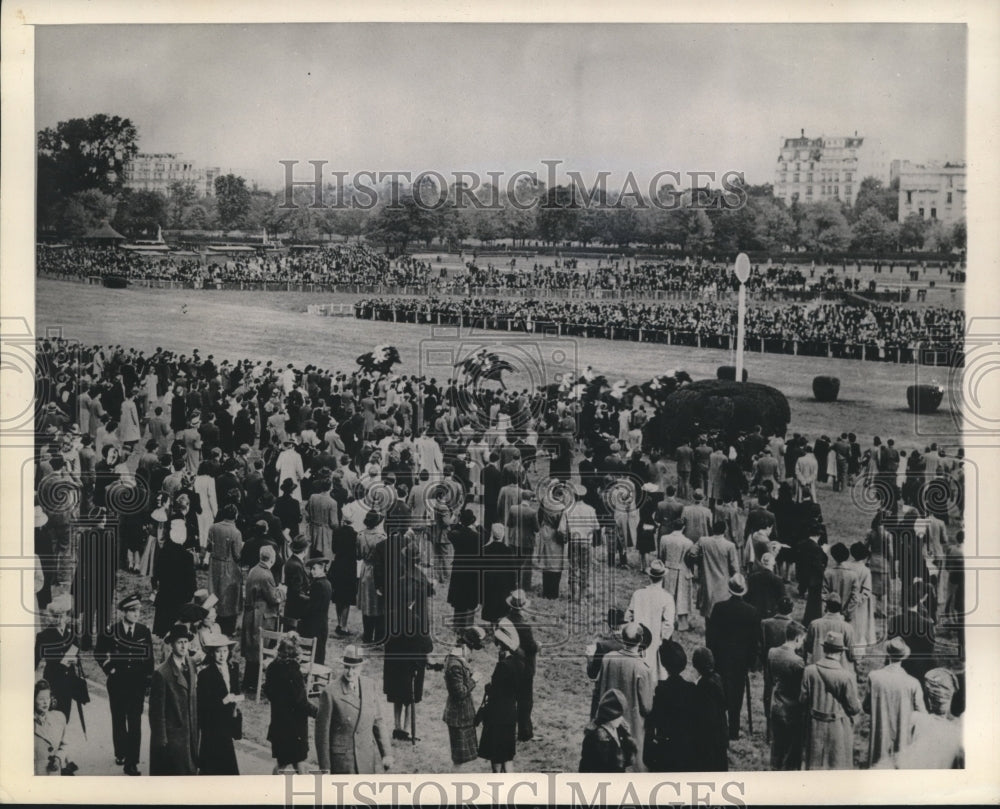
173 719
343 573
492 483
499 739
463 587
670 726
764 590
127 663
316 621
297 580
216 753
174 578
499 579
602 753
711 727
732 635
288 733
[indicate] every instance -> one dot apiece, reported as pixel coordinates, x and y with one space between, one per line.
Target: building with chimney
931 190
155 172
826 168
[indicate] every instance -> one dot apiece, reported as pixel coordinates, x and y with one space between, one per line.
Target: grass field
274 326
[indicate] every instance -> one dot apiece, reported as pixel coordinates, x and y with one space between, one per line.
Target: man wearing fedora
351 735
517 604
628 671
125 654
832 621
653 607
296 580
830 702
892 700
315 623
173 709
733 634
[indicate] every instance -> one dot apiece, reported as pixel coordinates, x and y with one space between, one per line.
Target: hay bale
728 372
826 388
924 398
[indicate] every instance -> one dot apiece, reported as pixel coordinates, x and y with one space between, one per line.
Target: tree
938 237
82 154
825 228
959 236
872 232
233 199
557 215
85 210
697 234
872 194
140 213
773 227
180 196
911 232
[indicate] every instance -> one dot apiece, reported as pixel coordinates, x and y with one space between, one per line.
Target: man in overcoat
173 709
732 634
351 736
829 702
627 671
125 654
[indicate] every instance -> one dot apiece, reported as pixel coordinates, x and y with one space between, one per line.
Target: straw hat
216 641
506 635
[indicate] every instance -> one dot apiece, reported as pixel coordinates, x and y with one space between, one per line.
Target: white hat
178 531
506 634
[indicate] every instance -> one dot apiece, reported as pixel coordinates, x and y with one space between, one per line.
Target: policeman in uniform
125 653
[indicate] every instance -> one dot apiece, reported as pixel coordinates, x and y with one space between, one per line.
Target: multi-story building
155 172
931 190
819 169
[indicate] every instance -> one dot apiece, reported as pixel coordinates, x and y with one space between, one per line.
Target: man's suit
297 581
350 734
128 664
173 719
732 634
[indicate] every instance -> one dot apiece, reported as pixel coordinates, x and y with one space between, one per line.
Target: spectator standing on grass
717 562
670 726
627 671
285 689
711 742
892 700
829 699
498 743
732 634
608 741
784 668
173 709
460 709
218 695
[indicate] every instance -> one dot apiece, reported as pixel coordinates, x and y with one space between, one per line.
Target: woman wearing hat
499 576
57 654
173 578
343 576
463 586
607 741
498 743
371 593
285 689
218 695
408 641
670 725
460 710
288 509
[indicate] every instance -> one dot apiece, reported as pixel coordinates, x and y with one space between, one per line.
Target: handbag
237 723
481 713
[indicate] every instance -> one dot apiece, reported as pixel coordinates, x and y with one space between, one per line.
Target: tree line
81 183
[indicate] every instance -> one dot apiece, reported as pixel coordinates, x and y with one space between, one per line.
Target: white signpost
742 270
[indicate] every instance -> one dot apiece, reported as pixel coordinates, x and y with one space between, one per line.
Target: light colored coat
830 702
630 674
718 561
225 543
673 551
893 698
653 607
843 579
289 465
322 516
864 612
697 521
204 487
351 736
128 426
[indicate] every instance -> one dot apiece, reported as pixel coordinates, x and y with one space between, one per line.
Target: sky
503 97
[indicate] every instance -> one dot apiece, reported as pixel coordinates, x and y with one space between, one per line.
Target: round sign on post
742 267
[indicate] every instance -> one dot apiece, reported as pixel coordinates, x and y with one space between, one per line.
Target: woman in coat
463 587
498 743
128 425
343 575
607 742
371 594
499 576
173 579
218 688
408 641
285 689
288 509
50 731
204 487
670 726
225 545
551 551
711 725
460 707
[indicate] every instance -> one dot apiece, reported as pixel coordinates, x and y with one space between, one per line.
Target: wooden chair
269 640
316 675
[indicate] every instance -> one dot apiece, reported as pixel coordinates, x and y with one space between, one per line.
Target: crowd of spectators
887 327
